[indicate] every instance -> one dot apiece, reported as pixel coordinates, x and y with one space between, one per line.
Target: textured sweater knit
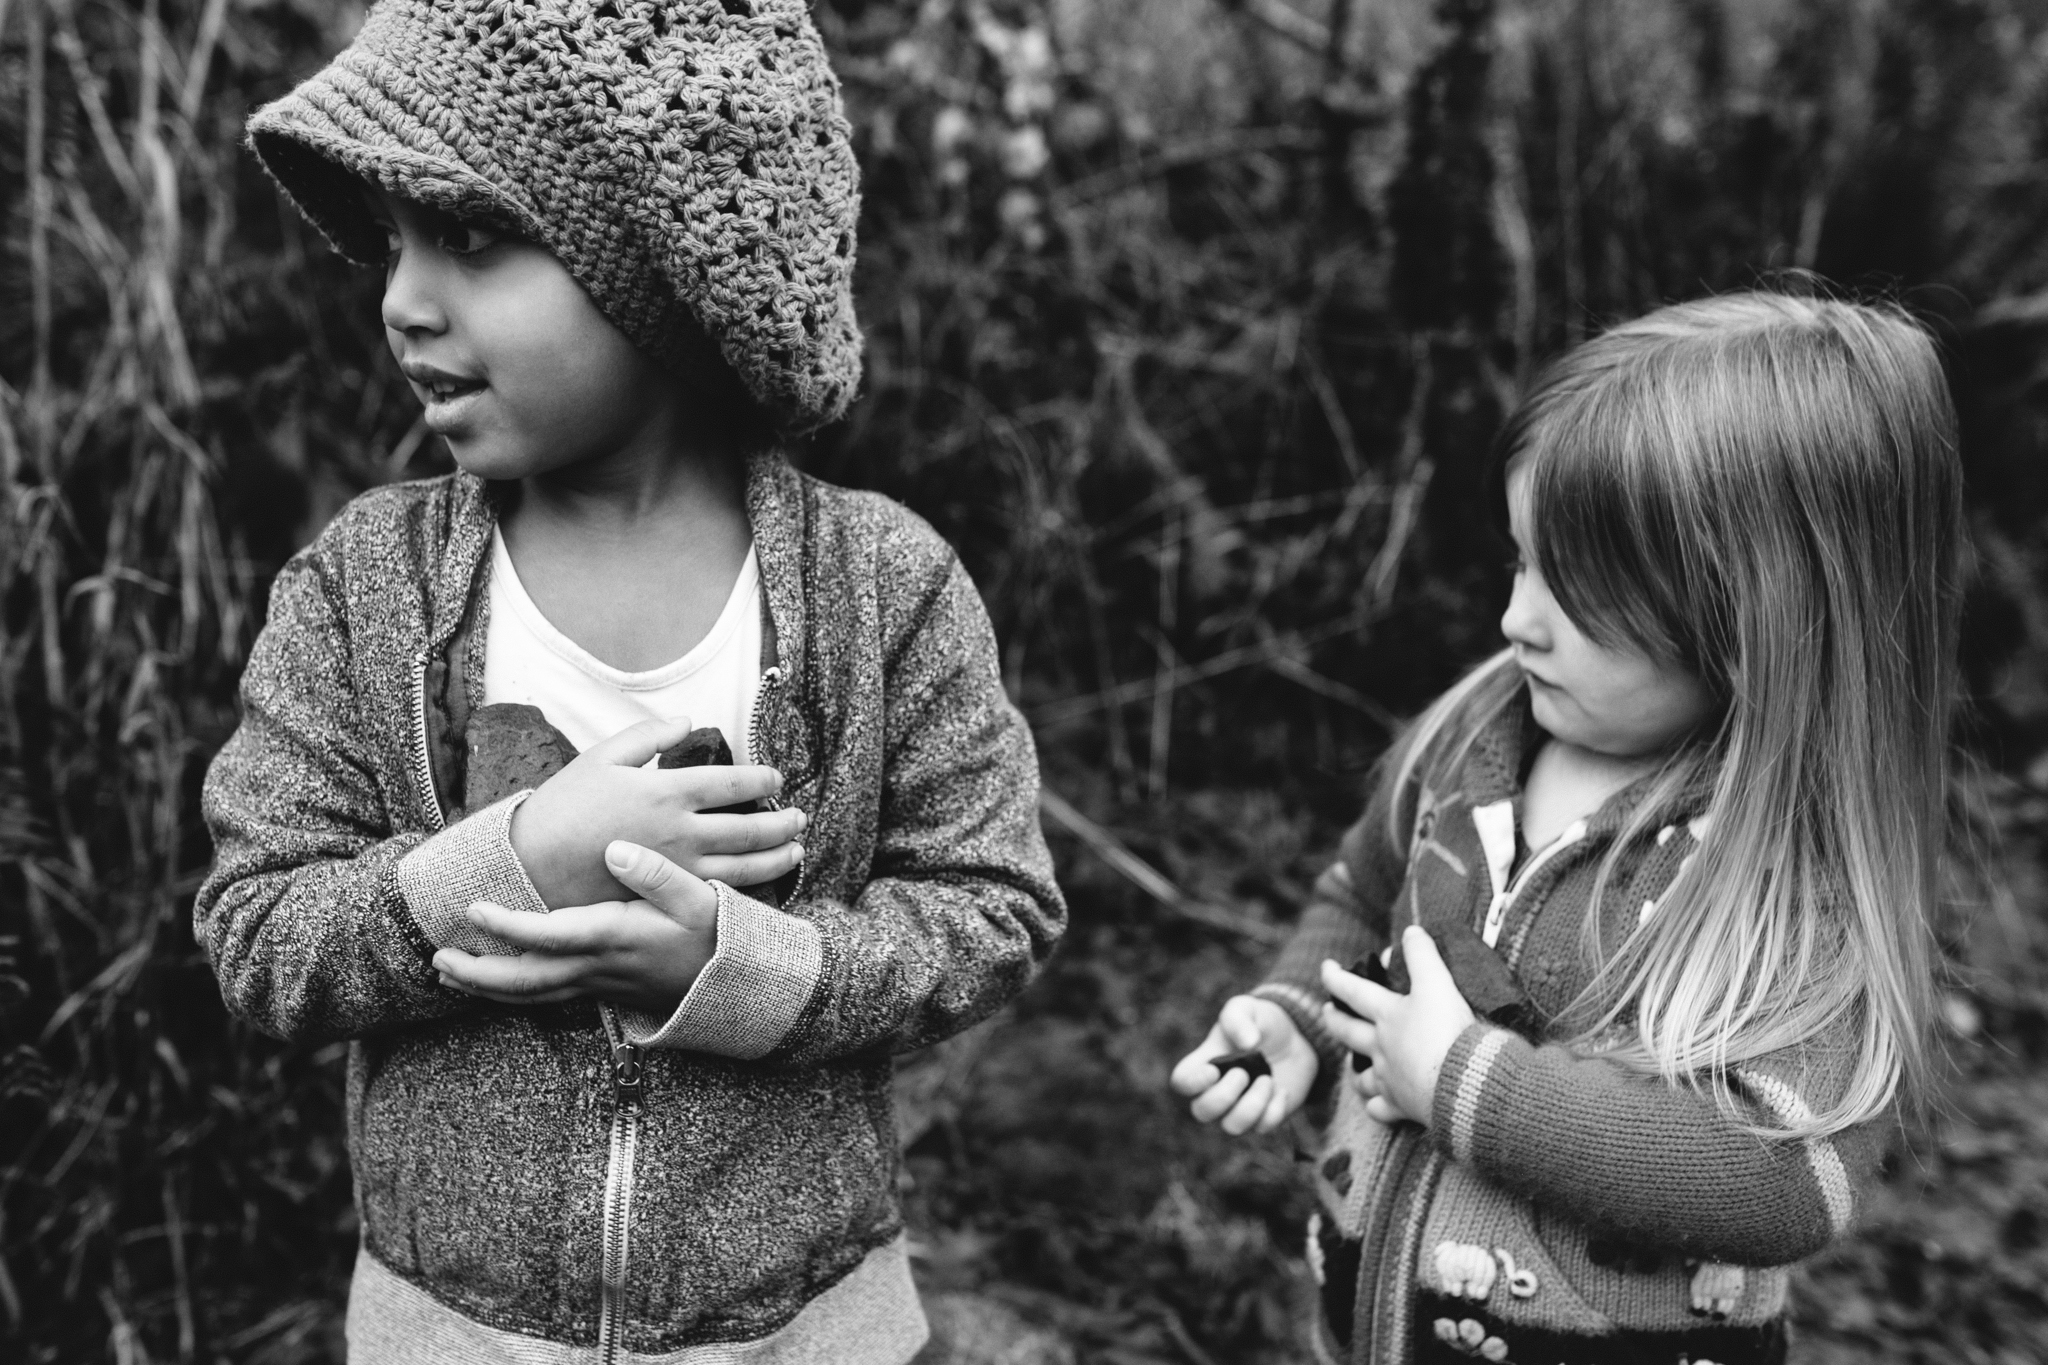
485 1139
1557 1208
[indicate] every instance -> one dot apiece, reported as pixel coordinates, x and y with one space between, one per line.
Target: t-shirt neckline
738 604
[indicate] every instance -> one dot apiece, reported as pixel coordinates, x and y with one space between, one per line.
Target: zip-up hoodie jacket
759 1152
1557 1208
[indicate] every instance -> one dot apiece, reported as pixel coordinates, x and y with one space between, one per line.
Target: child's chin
482 460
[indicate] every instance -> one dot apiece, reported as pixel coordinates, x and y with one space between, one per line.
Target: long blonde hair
1764 489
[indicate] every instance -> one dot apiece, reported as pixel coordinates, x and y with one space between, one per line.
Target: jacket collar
1494 767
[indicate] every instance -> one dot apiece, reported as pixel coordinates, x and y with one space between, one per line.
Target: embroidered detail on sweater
1451 860
1521 1282
1469 1337
1464 1269
1717 1288
1465 1109
1828 1171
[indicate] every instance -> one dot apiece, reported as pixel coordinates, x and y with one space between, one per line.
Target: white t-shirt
527 660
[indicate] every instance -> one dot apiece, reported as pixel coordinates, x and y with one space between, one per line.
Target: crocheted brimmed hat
685 159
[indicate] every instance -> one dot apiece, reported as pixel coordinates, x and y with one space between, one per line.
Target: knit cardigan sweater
485 1138
1557 1208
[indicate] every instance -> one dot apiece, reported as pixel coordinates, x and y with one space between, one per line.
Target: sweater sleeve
1637 1159
303 916
1349 915
960 909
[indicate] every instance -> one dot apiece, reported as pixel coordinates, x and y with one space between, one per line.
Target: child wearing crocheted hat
620 1013
1646 893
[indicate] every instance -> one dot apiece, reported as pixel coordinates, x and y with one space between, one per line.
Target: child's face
1619 702
519 371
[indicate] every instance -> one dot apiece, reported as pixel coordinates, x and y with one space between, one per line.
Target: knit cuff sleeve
1305 1008
752 991
472 860
1461 1086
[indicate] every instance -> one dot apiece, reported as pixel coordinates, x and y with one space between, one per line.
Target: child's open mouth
447 392
446 395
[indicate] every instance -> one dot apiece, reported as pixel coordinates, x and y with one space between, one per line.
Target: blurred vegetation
1190 321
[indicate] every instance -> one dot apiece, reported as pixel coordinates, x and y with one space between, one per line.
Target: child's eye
458 238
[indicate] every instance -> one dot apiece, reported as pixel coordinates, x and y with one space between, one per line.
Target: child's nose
410 300
1523 622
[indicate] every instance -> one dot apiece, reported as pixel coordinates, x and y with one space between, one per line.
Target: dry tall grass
1190 321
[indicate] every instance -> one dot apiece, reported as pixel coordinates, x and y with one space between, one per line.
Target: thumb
1239 1024
1425 963
670 889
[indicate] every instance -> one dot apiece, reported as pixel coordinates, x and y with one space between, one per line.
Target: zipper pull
629 1075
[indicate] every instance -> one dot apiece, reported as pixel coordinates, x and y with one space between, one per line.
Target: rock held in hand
1252 1063
512 748
702 747
706 747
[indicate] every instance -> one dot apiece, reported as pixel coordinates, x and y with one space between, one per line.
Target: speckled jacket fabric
680 157
1557 1209
478 1132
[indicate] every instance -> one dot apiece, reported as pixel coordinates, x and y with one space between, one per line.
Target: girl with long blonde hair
1645 895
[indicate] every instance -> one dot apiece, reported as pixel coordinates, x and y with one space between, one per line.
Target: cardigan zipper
1496 825
422 759
771 682
629 1083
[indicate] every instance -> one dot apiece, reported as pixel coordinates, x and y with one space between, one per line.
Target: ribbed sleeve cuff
1461 1086
472 860
1306 1009
752 991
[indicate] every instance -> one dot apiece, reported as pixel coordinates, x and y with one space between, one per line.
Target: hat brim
325 142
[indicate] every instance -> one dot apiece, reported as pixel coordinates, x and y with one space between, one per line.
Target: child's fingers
1220 1098
683 897
1425 964
1384 1110
710 786
1193 1073
747 833
633 746
1243 1116
516 980
1241 1023
572 929
1371 1001
1356 1034
751 869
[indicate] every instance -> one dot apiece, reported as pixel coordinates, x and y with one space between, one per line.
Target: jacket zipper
1496 825
629 1081
423 761
771 681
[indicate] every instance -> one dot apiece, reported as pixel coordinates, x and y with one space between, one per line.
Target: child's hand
644 953
1406 1036
1245 1103
561 832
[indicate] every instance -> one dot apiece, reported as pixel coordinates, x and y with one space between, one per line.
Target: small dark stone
703 747
1337 1170
512 748
706 747
1253 1064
